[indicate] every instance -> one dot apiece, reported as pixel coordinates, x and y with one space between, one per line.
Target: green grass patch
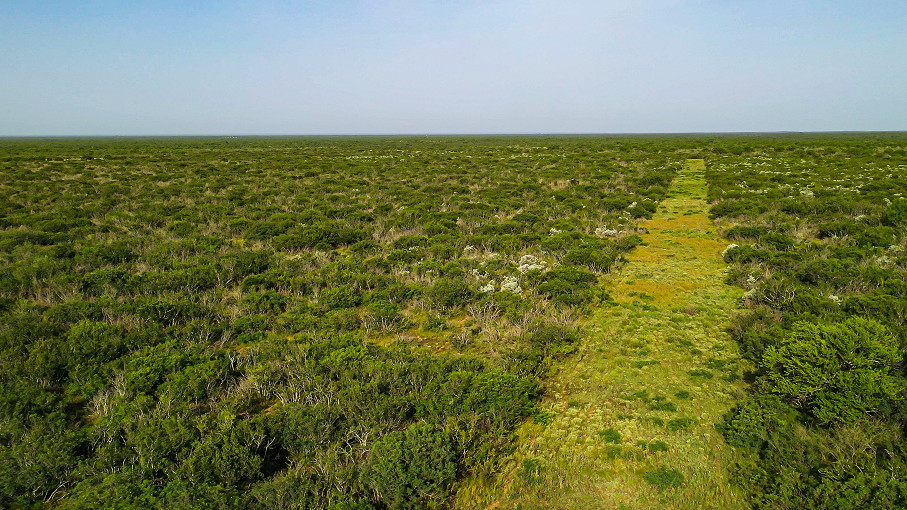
701 374
610 436
531 472
678 424
657 446
716 364
663 406
655 420
664 478
639 395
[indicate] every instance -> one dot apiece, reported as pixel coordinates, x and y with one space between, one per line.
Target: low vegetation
378 323
629 420
293 323
819 246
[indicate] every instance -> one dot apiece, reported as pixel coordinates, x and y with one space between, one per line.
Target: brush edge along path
631 416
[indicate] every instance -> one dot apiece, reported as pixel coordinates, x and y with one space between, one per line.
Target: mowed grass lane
629 420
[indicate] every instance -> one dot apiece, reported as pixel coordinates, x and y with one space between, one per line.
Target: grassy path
636 406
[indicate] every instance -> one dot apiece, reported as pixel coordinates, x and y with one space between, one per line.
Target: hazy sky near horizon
400 67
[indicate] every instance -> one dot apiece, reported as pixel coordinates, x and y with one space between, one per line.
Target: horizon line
452 134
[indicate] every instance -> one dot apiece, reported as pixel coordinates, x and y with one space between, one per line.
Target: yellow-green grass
654 375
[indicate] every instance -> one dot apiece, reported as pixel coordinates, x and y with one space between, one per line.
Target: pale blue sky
390 67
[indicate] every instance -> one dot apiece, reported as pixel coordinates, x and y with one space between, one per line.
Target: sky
450 67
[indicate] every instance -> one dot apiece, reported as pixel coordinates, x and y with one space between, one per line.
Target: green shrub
412 468
267 302
748 424
181 228
554 340
839 229
568 285
179 310
596 259
777 241
451 293
434 323
342 296
876 236
384 316
92 342
224 459
744 232
435 228
342 319
251 322
897 212
736 208
838 372
832 272
321 235
408 242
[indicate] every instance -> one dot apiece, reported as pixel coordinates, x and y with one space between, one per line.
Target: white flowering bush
729 249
